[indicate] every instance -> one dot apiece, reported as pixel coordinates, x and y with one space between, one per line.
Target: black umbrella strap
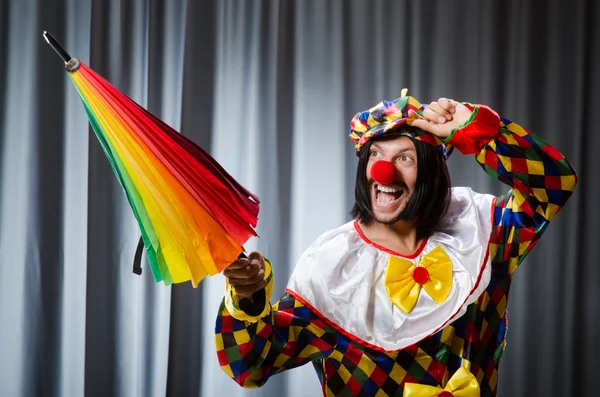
137 259
256 305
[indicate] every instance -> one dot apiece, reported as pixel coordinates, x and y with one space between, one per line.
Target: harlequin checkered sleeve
290 335
541 182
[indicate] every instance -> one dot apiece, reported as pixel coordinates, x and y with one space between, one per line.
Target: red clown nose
383 172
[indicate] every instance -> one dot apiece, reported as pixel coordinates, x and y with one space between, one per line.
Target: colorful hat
388 116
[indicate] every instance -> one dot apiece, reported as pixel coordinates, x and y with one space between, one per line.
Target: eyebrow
407 149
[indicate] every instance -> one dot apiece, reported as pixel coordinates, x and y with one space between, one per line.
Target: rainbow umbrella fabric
193 216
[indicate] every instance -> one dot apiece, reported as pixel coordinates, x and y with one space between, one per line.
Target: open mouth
386 195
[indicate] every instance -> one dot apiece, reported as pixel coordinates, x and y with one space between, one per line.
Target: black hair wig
431 197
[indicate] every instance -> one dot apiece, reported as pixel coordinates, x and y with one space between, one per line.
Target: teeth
387 189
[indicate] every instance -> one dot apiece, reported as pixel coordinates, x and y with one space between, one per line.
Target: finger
422 124
239 264
248 290
249 280
441 111
414 115
433 116
447 104
429 126
245 272
256 259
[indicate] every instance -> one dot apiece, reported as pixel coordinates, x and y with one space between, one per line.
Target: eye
405 158
375 153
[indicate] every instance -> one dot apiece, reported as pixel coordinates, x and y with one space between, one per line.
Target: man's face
389 201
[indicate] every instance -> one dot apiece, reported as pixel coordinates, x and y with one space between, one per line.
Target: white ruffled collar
341 277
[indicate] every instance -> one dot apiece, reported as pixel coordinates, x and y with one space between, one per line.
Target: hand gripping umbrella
194 217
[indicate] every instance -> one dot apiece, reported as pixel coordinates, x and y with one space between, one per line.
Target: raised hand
247 275
441 117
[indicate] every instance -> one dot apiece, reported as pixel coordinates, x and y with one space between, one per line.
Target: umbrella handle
137 259
255 306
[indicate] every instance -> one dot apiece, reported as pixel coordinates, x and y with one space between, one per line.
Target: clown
408 299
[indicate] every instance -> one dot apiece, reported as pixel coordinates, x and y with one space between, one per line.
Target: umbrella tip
72 64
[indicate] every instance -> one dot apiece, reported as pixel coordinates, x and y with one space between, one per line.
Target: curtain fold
269 87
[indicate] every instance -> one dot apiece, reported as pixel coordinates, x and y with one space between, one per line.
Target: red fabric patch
521 141
245 348
353 354
428 138
290 347
437 370
320 344
470 332
412 350
525 207
330 370
553 182
552 152
226 324
265 332
491 159
408 379
283 319
378 376
319 323
461 142
475 135
519 165
526 234
410 107
497 295
223 360
487 336
353 386
242 378
496 235
506 251
520 186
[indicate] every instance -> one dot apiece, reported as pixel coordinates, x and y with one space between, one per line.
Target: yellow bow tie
403 280
461 384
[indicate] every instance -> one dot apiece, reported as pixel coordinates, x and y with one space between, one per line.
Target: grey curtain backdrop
269 87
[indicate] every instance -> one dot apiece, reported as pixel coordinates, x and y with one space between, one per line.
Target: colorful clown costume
374 325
